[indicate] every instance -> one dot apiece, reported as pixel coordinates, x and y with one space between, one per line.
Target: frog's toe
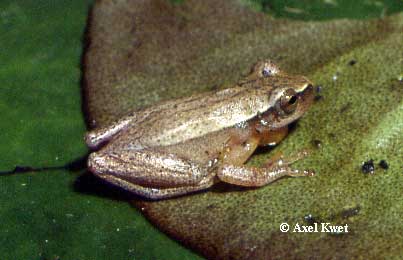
91 139
96 163
301 173
309 173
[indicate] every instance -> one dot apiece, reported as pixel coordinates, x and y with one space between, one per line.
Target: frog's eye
267 72
289 101
269 69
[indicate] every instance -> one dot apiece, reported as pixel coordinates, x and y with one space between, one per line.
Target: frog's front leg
233 171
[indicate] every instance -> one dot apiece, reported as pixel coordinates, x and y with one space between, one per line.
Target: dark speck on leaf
347 213
318 88
317 143
352 62
383 164
368 167
310 220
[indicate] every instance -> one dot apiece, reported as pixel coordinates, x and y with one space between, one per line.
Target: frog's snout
308 87
308 93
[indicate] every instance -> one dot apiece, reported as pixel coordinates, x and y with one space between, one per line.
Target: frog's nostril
308 86
309 89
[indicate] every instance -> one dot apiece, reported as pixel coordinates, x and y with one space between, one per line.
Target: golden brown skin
188 144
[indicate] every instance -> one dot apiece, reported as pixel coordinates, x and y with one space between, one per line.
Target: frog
187 145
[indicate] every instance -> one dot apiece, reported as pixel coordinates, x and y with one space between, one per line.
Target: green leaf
327 9
57 213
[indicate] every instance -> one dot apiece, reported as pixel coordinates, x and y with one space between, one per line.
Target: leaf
55 214
144 52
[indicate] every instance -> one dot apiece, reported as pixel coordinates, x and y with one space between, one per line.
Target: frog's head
289 99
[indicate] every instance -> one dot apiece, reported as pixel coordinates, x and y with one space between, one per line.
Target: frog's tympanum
188 144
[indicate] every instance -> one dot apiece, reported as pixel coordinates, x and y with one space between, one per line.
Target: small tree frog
188 144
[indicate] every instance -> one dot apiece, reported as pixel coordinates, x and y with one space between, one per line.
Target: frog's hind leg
162 193
147 167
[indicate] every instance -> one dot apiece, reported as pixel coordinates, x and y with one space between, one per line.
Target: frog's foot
298 173
279 160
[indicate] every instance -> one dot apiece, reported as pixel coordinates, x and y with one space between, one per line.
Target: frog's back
180 120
